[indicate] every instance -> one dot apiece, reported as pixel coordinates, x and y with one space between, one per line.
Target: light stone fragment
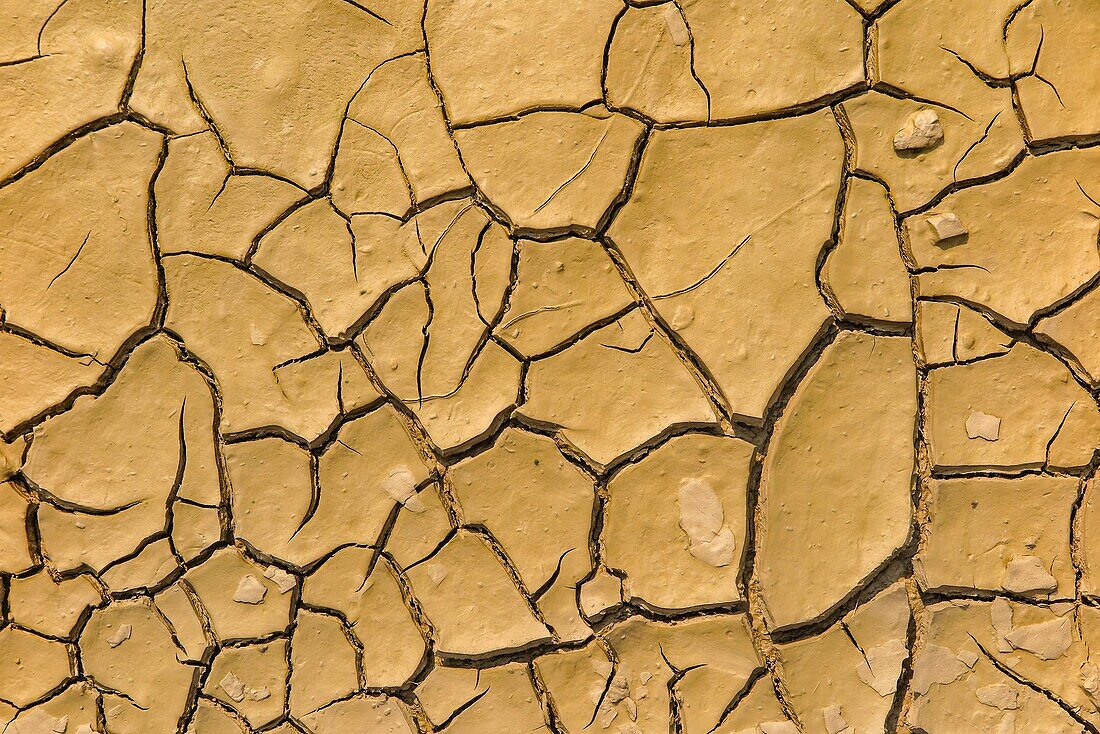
233 687
1026 574
834 720
701 517
675 24
285 581
249 591
922 130
936 665
1047 640
982 425
998 695
121 634
401 486
946 226
877 671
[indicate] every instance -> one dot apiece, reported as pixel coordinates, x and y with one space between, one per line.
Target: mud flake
50 607
251 680
831 679
380 714
562 288
203 206
322 663
114 458
377 613
459 605
76 260
552 170
978 139
399 107
865 272
1052 428
591 386
316 235
948 333
749 275
30 665
539 507
983 530
76 64
1030 241
649 66
1073 328
217 583
1060 84
674 523
749 56
152 682
946 227
33 378
858 376
491 60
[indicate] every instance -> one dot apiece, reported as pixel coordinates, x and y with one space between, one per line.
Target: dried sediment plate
499 366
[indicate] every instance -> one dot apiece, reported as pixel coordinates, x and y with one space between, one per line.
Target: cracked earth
501 366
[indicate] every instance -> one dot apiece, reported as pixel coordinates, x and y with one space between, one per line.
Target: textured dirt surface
507 366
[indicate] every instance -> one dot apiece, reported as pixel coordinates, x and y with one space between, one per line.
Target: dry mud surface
509 366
